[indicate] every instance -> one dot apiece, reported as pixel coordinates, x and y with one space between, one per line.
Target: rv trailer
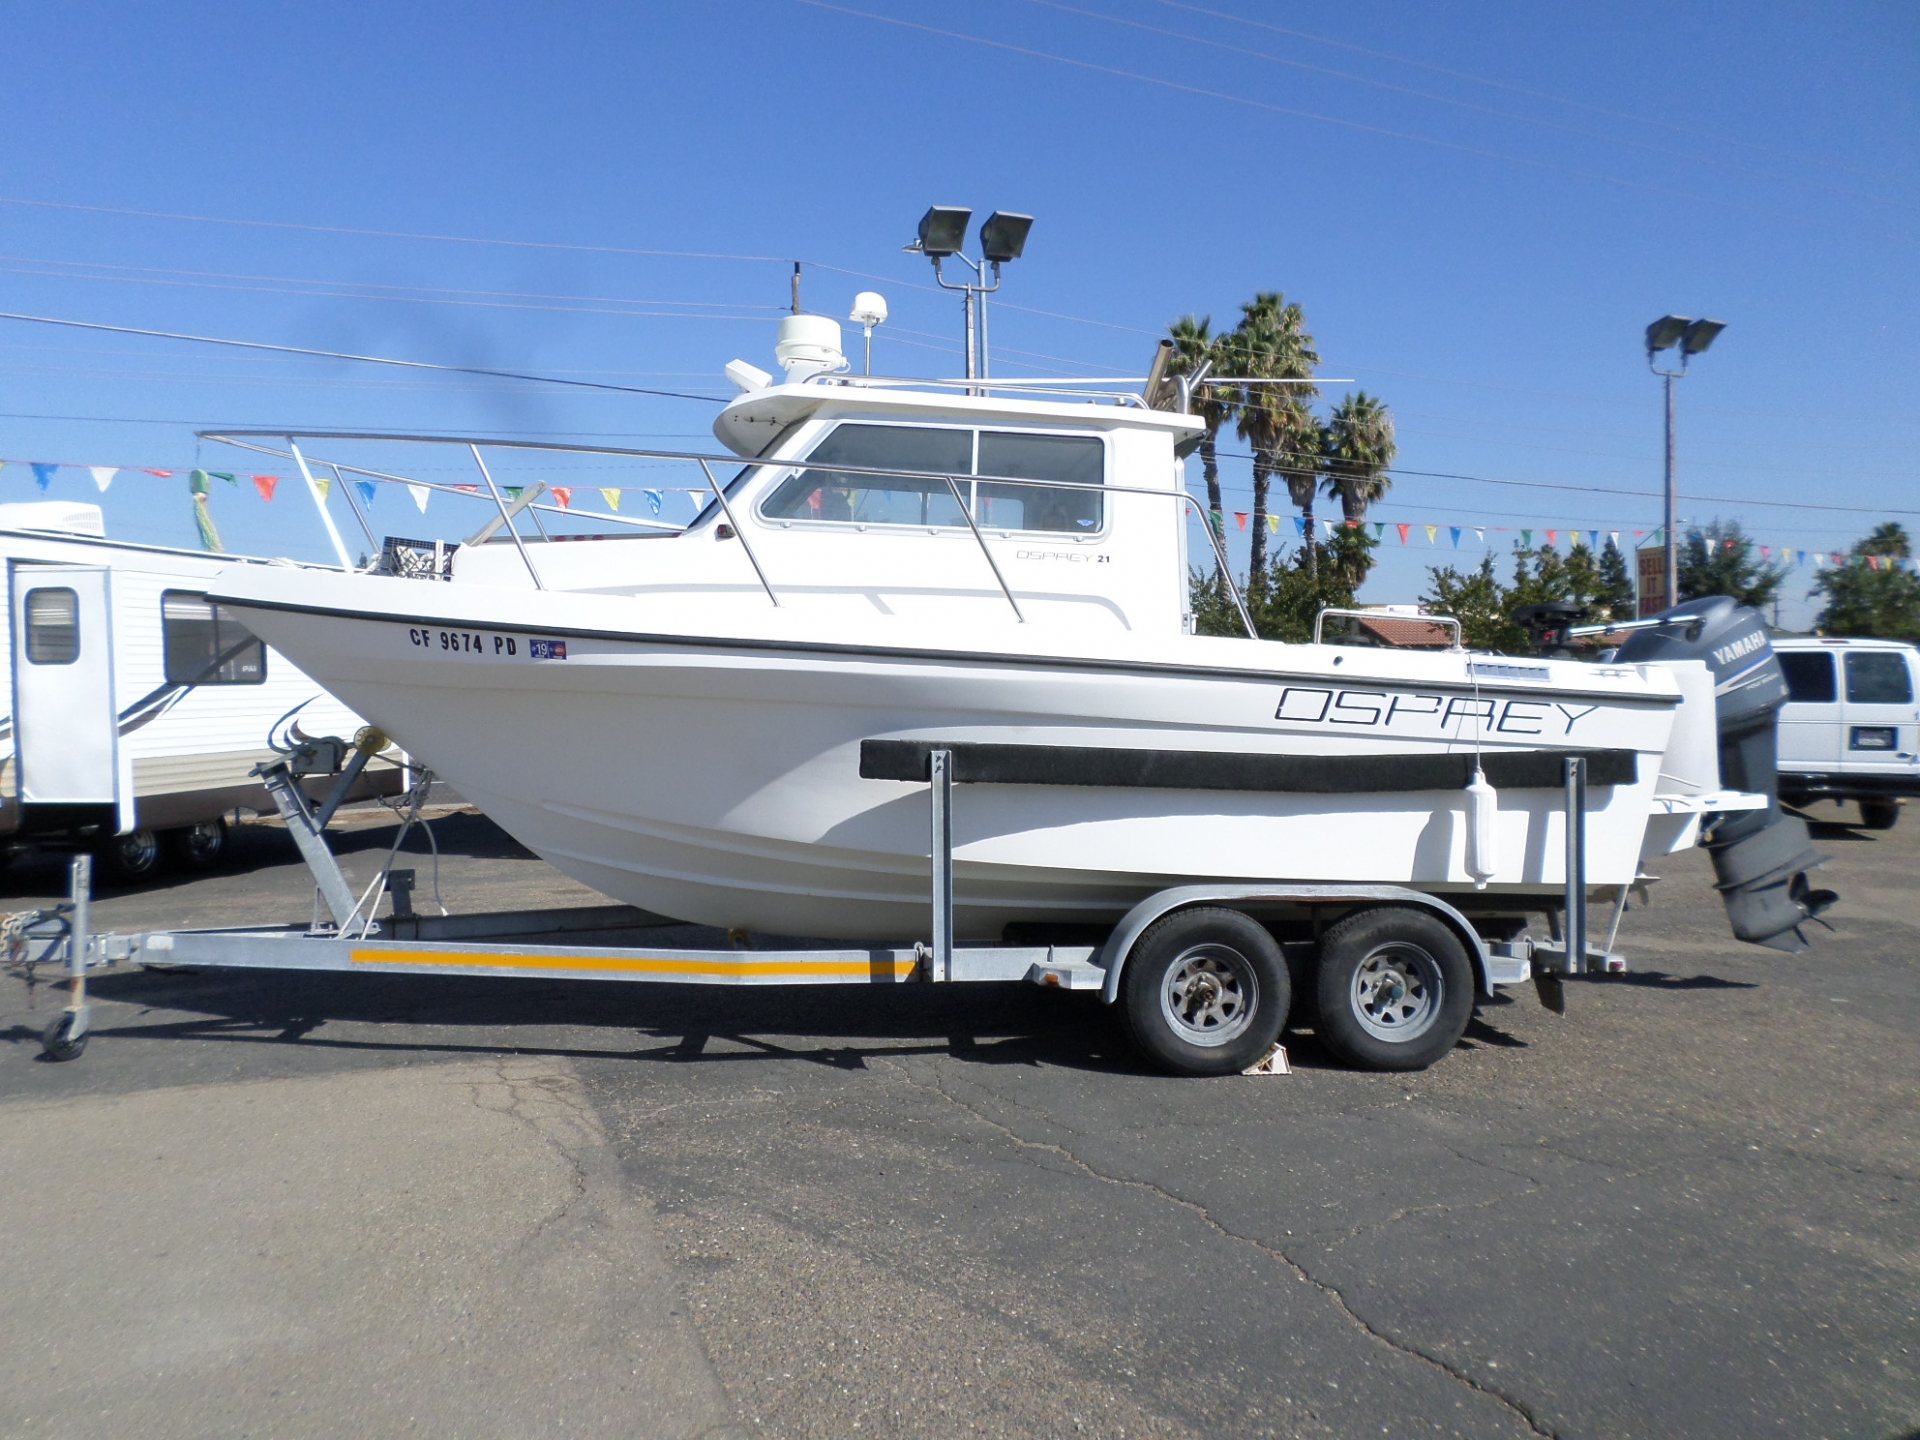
139 709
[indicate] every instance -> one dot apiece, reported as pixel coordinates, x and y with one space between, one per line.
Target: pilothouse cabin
874 498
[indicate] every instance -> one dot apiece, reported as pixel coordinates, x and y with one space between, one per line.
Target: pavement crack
1333 1294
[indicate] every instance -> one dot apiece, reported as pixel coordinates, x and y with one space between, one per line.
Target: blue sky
1479 210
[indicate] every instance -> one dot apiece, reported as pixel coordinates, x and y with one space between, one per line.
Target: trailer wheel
1205 992
196 847
1879 814
1394 990
128 859
58 1040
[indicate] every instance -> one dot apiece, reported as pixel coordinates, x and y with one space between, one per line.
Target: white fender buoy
1483 813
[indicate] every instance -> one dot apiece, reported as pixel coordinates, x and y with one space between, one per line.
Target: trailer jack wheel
1394 989
65 1037
1205 992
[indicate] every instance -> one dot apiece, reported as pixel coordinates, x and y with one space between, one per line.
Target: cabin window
205 645
1878 677
1073 459
1809 676
927 500
53 626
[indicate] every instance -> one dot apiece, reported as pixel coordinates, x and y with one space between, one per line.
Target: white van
139 709
1850 729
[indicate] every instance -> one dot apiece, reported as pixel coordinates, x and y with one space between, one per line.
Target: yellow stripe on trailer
743 968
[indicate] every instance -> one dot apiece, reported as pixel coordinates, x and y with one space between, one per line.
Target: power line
1270 108
1530 93
363 359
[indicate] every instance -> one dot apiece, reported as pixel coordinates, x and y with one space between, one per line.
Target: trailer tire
131 858
1879 814
195 848
1205 991
58 1040
1394 988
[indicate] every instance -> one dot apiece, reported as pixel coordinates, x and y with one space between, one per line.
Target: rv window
1809 675
1878 677
878 499
207 646
1074 459
53 626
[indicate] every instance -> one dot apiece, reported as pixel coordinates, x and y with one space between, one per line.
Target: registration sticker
547 649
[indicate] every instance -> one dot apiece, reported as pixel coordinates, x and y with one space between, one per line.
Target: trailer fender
1113 955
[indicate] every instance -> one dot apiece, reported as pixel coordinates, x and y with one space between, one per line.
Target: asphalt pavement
372 1205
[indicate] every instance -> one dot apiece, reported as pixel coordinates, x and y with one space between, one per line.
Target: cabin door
66 740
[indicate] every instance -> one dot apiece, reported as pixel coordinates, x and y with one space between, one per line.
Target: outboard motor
1760 857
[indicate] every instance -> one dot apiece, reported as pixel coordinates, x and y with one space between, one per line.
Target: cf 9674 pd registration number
475 642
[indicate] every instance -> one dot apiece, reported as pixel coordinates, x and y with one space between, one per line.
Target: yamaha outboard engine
1760 857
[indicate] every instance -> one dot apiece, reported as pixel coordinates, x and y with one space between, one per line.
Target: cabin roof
749 422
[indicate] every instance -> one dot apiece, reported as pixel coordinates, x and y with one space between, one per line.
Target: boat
730 721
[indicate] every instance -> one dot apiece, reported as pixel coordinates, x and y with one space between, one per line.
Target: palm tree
1356 447
1271 344
1194 343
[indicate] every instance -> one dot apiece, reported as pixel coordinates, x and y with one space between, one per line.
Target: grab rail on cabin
1381 620
506 512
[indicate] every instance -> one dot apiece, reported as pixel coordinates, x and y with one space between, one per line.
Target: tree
1271 344
1194 343
1285 599
1478 600
1872 599
1484 606
1616 585
1719 560
1356 447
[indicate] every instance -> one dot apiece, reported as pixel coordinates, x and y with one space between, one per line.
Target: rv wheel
1205 992
1879 814
197 847
130 858
1395 989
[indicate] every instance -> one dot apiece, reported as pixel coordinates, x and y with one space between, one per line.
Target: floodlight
1666 331
943 230
1004 235
869 309
1699 335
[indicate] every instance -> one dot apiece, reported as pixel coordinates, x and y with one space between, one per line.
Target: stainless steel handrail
242 438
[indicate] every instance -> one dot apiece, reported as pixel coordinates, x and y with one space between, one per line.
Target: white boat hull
716 778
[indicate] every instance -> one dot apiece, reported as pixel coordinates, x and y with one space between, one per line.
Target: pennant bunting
103 476
1379 529
1431 530
512 492
202 520
1273 524
42 473
562 493
1240 518
1526 538
364 489
324 484
1550 539
1300 526
421 494
1613 538
1403 528
1327 526
468 489
612 497
1454 530
264 484
653 503
1481 533
1593 539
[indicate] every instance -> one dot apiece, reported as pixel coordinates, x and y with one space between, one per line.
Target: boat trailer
599 942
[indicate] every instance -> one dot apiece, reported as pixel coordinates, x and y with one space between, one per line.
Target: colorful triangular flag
264 484
42 473
1402 527
1550 538
562 493
364 489
1431 530
1454 530
1300 526
1526 538
103 476
1240 518
421 494
612 497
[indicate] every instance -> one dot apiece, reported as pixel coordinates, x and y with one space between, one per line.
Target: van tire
1879 814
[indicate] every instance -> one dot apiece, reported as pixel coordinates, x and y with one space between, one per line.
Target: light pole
943 230
1692 337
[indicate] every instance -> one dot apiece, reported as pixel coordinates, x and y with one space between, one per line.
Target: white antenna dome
869 308
808 345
